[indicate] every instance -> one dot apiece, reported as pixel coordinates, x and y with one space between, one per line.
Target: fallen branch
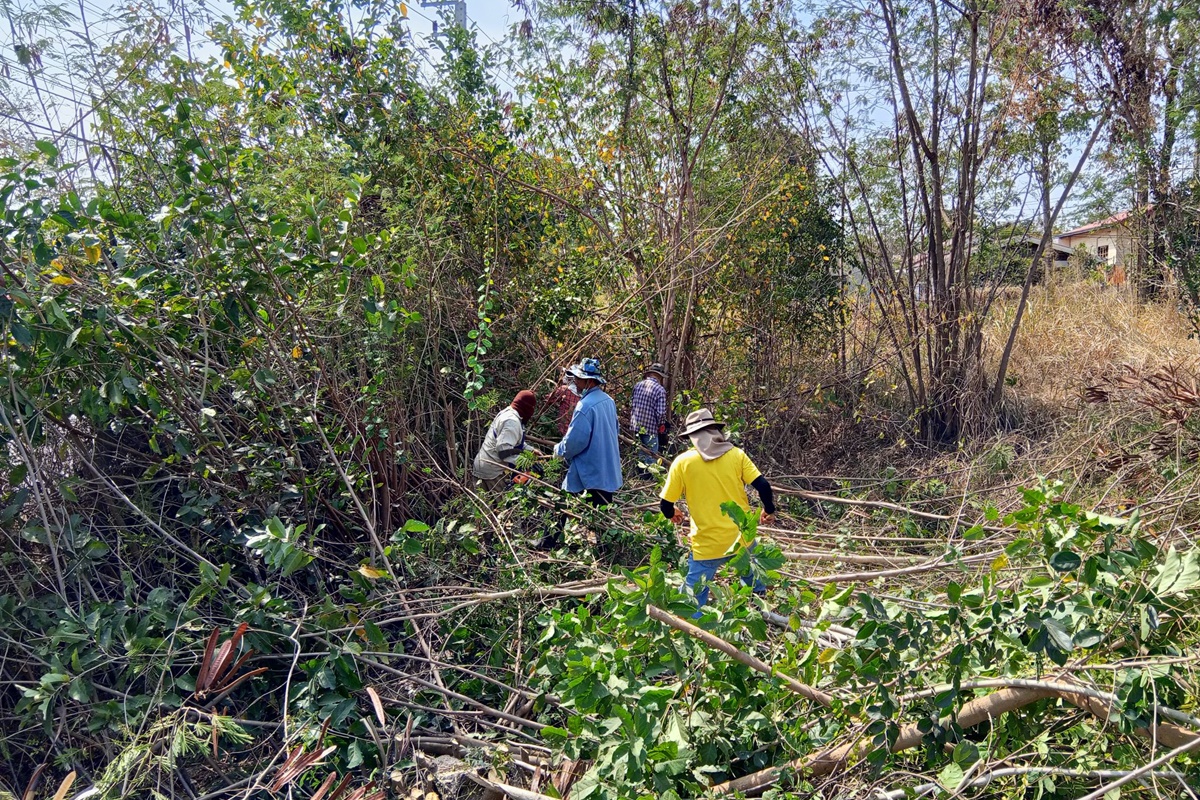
810 555
1137 773
928 566
879 504
514 792
716 642
1008 772
972 713
1063 689
835 759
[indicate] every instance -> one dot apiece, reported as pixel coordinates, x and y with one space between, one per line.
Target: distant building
1110 241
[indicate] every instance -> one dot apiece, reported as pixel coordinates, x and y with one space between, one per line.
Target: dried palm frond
218 669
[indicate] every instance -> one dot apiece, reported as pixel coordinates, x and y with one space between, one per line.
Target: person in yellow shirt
713 472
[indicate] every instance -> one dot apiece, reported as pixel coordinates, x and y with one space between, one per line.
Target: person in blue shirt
590 445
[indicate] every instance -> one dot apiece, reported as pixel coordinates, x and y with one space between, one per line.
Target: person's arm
767 496
578 437
672 492
660 409
508 440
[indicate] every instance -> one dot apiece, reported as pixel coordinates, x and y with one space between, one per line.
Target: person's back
504 441
592 445
714 473
648 407
706 485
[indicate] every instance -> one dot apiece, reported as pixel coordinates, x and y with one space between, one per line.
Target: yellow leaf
403 10
999 562
371 572
827 655
62 280
92 251
296 352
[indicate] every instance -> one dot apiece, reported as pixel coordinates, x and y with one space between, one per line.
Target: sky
65 116
58 107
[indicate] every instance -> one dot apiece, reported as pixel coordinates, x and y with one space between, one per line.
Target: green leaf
79 691
965 754
1059 634
42 254
553 734
953 592
48 149
1065 561
21 332
951 776
1178 573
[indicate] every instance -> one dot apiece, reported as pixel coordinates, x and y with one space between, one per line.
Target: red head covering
525 403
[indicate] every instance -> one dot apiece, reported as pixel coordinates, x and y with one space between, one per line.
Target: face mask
574 389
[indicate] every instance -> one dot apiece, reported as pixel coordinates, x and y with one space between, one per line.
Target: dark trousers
593 497
597 497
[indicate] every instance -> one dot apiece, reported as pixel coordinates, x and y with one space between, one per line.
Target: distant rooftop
1109 222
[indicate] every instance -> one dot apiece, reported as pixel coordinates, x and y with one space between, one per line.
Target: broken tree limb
515 792
921 790
835 759
972 713
1073 693
848 558
1137 773
879 504
717 643
928 566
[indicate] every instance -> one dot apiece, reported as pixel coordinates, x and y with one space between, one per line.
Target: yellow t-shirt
708 484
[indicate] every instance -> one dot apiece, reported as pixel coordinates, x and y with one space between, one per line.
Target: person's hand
767 519
522 479
679 518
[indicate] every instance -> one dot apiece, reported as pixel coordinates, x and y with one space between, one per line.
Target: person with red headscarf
505 440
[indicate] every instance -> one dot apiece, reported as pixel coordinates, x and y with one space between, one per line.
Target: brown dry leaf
377 704
65 786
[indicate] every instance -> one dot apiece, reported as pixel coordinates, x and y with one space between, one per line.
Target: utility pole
460 11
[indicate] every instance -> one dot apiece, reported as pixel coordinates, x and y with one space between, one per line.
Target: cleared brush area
328 329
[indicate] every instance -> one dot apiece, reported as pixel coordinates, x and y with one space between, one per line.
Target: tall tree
1142 56
658 107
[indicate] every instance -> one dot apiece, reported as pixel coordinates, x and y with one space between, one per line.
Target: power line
498 75
66 134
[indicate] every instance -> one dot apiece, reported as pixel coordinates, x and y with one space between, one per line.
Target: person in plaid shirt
649 415
562 401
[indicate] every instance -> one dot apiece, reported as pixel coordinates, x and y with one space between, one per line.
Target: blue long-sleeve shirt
590 445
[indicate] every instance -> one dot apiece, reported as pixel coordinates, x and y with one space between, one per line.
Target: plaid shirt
562 402
649 406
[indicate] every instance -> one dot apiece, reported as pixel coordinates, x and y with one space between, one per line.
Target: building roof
1053 245
1109 222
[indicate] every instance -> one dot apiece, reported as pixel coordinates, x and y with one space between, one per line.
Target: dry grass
1073 333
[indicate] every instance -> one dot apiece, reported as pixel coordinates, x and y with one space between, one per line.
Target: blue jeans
702 571
648 441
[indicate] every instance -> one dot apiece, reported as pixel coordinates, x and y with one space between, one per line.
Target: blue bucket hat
588 369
